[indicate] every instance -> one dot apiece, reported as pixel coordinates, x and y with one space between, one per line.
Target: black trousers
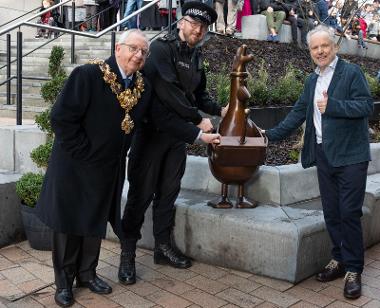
342 192
305 26
74 257
155 168
293 27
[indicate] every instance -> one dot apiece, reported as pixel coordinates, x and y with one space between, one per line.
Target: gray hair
124 36
321 29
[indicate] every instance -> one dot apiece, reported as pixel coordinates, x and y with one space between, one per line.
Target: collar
123 75
332 65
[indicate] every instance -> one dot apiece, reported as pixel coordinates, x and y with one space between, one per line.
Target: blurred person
359 30
91 10
335 103
49 18
290 7
323 8
349 8
275 15
307 18
130 7
228 27
245 10
374 29
334 16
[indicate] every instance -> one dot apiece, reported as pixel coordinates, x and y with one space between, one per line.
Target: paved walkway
24 270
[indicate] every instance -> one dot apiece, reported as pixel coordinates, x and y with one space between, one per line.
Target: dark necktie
127 82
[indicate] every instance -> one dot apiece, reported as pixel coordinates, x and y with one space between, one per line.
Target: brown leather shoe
332 271
353 285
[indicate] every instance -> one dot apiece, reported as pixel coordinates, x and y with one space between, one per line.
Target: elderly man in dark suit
94 118
336 103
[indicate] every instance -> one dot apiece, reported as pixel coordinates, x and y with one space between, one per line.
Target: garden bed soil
220 49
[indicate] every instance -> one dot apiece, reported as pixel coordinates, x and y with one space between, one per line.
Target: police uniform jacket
85 176
179 82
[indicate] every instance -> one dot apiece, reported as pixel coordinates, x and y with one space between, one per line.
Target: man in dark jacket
84 179
157 160
94 118
336 103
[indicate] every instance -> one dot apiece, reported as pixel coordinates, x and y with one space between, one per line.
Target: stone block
11 228
374 164
27 138
7 160
255 27
284 237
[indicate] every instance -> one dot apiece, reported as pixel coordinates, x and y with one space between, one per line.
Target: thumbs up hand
322 103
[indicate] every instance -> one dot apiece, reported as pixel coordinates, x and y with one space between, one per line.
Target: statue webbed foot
244 203
222 203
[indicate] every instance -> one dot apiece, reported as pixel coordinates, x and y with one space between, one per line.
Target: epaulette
167 38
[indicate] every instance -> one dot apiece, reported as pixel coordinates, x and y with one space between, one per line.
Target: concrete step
28 112
28 99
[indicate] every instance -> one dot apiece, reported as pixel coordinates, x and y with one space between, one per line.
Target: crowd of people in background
356 20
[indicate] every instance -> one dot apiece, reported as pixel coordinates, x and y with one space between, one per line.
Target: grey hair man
335 103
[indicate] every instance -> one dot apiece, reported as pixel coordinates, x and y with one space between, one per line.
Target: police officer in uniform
157 160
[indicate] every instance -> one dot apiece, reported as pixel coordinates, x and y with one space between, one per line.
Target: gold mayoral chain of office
127 98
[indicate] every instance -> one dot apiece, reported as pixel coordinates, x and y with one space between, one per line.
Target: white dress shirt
323 83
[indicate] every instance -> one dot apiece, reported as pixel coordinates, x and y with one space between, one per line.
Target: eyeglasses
195 24
134 49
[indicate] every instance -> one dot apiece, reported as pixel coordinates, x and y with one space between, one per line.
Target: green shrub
51 89
41 154
288 88
219 84
374 85
294 154
43 122
257 86
28 188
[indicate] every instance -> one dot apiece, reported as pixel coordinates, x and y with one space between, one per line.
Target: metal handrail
18 17
53 39
80 33
21 23
98 34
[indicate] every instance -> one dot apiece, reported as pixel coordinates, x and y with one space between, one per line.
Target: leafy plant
294 154
288 88
374 85
41 154
43 122
218 84
257 86
28 188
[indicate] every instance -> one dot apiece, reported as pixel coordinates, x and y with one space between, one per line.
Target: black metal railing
73 32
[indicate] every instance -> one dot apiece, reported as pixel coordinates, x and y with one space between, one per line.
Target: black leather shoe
95 285
127 269
64 297
353 285
166 254
332 271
